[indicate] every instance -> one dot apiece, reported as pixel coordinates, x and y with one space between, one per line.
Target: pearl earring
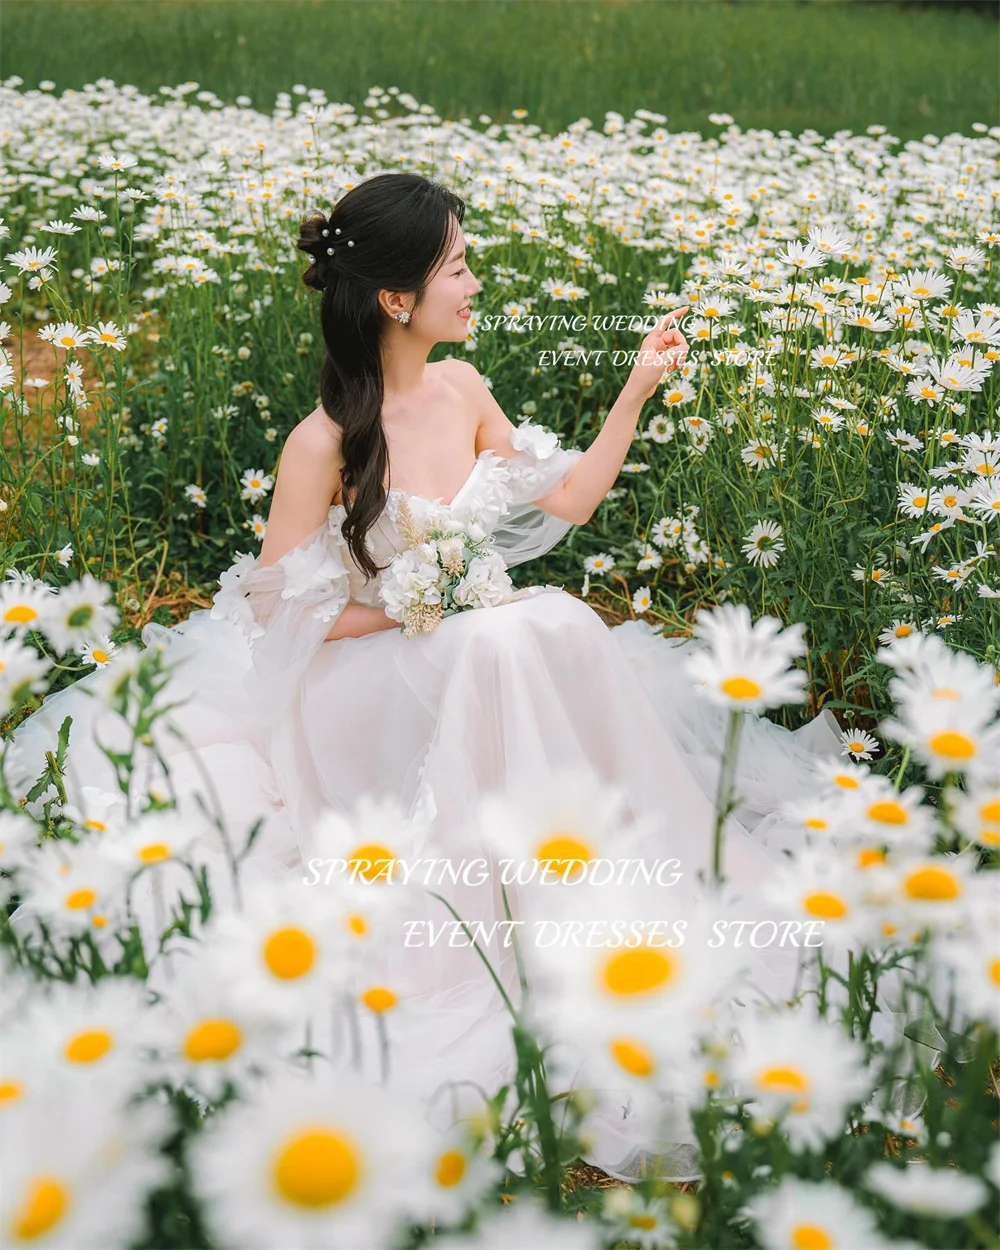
403 317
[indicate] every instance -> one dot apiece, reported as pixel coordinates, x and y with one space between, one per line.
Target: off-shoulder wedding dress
285 724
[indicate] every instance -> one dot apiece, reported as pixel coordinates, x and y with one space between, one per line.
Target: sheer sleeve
539 466
286 610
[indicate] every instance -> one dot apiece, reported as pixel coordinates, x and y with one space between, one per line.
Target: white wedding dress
287 725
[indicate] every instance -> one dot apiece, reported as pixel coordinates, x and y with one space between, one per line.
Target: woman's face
443 315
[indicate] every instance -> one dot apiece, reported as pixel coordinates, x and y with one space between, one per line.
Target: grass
780 64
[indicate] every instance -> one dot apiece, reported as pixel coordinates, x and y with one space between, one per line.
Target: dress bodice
285 610
476 508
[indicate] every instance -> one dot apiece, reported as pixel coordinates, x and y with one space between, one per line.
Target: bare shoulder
315 435
311 459
469 386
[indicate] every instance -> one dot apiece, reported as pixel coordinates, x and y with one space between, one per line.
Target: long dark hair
400 225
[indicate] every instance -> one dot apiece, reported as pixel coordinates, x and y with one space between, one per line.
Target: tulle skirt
498 699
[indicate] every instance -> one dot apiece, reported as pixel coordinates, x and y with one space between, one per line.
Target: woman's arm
308 479
358 619
596 471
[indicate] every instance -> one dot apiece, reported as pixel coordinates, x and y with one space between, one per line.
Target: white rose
486 583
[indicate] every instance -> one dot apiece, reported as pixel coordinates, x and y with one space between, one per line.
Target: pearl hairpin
325 233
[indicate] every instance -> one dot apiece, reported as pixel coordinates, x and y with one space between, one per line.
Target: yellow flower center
828 906
640 970
357 925
317 1169
888 812
20 614
953 745
450 1168
80 899
869 855
378 998
783 1080
811 1237
289 953
212 1040
46 1203
154 852
739 687
932 885
564 854
815 822
89 1046
10 1091
647 1222
372 862
845 781
633 1056
995 972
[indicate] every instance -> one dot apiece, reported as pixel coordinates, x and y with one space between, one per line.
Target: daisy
976 812
818 1215
22 673
796 1067
74 889
91 1035
33 260
896 630
881 814
107 334
930 892
311 1162
828 420
65 335
205 1036
913 500
601 563
570 819
941 1193
82 612
458 1176
821 889
75 1173
99 652
256 483
257 526
970 969
660 430
195 493
25 605
285 950
637 1220
744 665
760 453
763 545
859 744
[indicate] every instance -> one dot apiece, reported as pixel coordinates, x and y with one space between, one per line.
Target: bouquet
445 569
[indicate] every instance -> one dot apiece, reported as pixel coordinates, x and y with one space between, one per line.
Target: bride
305 697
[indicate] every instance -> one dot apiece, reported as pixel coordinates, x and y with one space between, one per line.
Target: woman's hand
664 348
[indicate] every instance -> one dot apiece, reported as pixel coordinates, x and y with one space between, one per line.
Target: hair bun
313 242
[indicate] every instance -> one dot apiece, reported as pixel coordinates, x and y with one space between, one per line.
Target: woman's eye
461 271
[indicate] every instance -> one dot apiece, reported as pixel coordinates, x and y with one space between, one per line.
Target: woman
305 695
